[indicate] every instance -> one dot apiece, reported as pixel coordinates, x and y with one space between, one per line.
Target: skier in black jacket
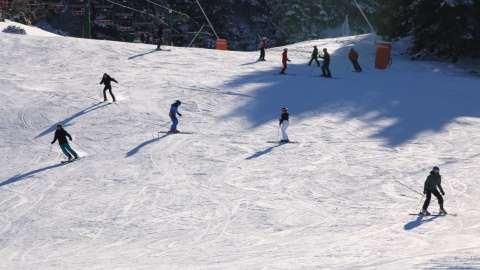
107 80
283 121
433 181
61 134
314 56
326 64
160 37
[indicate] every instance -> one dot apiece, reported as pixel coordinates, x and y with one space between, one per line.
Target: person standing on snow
263 46
160 37
284 60
107 80
353 56
326 64
430 187
283 121
173 115
314 56
61 134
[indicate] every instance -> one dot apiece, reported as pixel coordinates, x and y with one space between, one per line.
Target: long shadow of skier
419 221
67 120
250 63
136 149
25 175
261 153
140 55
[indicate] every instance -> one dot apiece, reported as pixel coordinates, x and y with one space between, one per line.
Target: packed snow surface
222 197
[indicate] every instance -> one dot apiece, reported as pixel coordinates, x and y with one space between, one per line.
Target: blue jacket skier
173 115
61 134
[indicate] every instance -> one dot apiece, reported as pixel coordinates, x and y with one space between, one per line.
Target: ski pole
420 202
50 149
79 146
100 91
348 67
312 69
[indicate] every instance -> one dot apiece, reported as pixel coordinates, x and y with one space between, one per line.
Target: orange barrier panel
382 58
222 44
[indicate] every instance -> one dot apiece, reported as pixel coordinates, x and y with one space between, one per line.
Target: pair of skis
68 161
320 76
179 132
432 215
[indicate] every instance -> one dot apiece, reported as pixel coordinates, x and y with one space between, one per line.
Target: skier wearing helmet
263 46
173 115
433 181
61 134
284 60
283 121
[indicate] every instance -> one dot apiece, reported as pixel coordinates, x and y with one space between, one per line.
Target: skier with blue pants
173 115
61 134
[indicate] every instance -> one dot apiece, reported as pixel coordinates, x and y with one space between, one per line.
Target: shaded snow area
222 197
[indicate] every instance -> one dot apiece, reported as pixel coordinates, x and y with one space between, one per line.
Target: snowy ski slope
223 198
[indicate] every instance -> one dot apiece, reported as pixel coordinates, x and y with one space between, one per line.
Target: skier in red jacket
284 60
353 56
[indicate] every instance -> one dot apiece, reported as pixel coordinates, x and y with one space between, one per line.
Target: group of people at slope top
352 56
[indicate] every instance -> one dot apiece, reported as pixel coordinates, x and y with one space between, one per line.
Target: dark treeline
442 28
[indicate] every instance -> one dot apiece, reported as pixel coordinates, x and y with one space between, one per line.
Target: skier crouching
61 134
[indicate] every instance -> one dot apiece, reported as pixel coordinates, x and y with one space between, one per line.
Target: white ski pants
284 129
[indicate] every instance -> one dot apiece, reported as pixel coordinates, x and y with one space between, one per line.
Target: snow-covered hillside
224 198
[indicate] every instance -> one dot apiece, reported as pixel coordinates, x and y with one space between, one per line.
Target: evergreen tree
444 28
297 20
393 18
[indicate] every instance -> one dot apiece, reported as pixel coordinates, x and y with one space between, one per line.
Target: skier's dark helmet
178 102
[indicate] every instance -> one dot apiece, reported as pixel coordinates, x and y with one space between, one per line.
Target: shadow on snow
136 149
25 175
419 221
261 153
67 120
140 55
